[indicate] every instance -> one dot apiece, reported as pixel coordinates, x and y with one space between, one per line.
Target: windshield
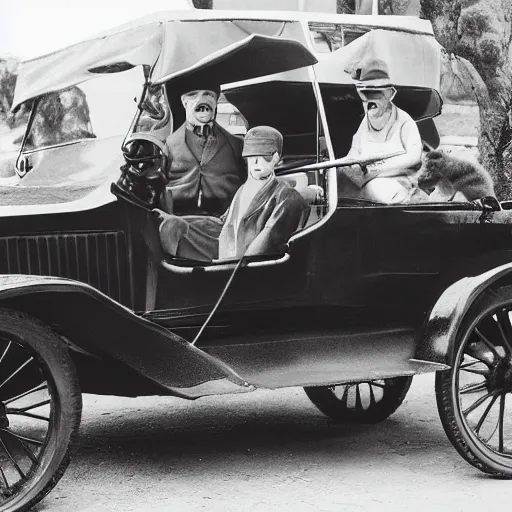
99 108
73 143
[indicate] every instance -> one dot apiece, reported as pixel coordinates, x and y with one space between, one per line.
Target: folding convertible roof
231 49
181 42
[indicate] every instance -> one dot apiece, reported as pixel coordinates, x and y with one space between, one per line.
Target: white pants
393 190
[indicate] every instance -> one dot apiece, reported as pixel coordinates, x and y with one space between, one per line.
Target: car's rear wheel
40 409
474 397
361 402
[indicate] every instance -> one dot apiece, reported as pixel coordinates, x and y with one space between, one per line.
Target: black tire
361 402
40 410
472 395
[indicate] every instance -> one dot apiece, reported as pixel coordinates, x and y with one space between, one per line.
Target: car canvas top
169 48
140 41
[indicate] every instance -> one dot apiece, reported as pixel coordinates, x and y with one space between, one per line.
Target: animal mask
377 105
200 106
261 168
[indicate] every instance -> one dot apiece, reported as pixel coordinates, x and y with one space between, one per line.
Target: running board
323 358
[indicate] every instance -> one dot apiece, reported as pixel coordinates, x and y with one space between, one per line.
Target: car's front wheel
474 398
361 402
40 409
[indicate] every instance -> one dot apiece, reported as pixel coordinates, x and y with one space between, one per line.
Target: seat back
300 182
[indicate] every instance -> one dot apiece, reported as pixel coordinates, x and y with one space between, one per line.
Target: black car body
365 296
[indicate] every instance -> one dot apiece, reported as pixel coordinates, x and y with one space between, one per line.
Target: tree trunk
345 6
481 32
8 74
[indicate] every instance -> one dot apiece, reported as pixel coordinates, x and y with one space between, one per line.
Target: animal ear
425 158
435 155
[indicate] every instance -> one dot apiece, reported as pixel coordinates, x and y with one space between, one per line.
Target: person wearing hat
264 213
387 134
205 161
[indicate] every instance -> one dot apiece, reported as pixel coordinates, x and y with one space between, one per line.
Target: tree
345 6
8 74
480 31
396 7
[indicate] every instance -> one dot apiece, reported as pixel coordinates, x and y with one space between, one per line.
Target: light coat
271 218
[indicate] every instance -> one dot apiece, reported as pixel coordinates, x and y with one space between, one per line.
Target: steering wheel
147 153
145 173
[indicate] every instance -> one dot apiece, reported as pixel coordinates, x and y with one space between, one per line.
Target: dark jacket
204 184
272 217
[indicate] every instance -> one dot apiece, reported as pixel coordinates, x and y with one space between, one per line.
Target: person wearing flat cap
265 211
386 131
205 161
262 216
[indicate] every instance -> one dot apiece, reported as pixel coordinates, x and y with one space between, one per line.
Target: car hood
233 51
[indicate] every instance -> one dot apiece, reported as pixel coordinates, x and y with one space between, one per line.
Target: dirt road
267 451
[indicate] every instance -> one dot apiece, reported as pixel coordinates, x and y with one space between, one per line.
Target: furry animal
448 178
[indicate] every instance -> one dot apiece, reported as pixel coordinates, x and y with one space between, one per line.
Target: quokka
448 177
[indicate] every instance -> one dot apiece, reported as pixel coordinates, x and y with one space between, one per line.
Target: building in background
397 7
230 118
277 5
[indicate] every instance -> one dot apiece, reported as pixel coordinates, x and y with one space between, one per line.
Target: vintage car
363 297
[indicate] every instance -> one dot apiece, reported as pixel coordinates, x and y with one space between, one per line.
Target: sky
29 28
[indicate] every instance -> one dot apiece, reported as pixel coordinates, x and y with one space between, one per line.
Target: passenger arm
356 147
354 173
280 226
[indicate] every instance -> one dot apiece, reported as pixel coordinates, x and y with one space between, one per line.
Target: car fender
93 323
436 339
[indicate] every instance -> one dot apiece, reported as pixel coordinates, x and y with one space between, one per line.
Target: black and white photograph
255 255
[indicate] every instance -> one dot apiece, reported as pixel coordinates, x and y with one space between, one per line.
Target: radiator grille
98 259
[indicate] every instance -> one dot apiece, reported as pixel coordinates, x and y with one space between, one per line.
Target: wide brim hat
371 73
183 84
262 141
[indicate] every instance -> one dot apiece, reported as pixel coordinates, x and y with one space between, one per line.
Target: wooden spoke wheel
474 397
361 402
40 408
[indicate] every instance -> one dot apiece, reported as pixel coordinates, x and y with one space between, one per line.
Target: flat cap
371 73
262 141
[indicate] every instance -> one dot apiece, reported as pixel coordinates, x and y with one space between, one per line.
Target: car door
260 287
408 251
